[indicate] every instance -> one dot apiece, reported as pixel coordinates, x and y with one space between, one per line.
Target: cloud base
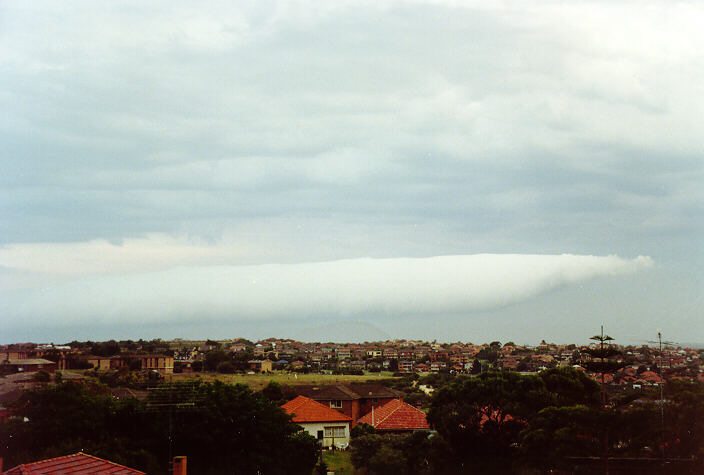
339 289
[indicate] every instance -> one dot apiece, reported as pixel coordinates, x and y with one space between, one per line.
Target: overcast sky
465 171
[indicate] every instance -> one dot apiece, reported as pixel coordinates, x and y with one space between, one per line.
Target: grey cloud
430 286
355 128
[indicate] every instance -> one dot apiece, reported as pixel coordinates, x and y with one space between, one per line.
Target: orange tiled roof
307 410
75 464
396 415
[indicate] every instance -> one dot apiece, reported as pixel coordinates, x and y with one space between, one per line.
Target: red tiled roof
306 410
396 415
75 464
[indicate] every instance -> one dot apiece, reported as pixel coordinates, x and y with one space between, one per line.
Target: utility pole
660 344
662 404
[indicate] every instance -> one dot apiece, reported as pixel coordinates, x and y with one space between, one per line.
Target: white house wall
313 427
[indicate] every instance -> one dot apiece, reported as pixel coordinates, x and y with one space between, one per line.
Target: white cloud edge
341 289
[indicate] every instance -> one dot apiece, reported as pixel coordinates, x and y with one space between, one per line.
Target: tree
603 353
221 428
476 366
214 344
273 392
568 386
382 454
361 430
602 363
42 376
226 367
558 432
480 418
214 358
106 348
489 354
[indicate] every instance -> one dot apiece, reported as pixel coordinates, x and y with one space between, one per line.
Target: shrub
42 376
226 367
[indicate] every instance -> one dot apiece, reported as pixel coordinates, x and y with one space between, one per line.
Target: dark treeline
222 428
505 422
498 422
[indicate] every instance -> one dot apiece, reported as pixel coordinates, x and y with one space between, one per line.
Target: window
336 404
338 431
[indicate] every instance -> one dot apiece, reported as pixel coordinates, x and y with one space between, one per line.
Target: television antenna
171 397
671 344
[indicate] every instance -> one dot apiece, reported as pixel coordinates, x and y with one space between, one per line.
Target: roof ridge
21 468
108 461
348 390
390 412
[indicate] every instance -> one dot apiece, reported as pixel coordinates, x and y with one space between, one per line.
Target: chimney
179 465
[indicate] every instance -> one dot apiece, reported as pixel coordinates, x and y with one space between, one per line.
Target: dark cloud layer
307 132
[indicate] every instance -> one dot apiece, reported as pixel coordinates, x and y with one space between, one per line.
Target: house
405 366
437 366
262 366
163 364
343 353
352 399
27 365
330 427
238 347
78 463
396 416
418 368
103 362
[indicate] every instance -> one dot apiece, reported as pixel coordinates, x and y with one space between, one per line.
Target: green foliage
557 432
135 365
77 362
106 348
213 343
125 377
52 354
42 376
214 358
226 367
476 366
481 419
321 468
361 430
488 353
568 386
684 430
436 380
273 392
229 430
382 454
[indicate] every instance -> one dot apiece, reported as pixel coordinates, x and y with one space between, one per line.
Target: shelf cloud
344 288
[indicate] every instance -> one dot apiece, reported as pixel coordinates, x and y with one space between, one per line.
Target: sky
458 171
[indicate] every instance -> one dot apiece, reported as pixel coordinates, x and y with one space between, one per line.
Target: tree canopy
229 430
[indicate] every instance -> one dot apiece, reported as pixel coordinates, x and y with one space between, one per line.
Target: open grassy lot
259 381
338 461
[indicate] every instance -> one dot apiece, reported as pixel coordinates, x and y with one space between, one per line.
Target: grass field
259 381
338 462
